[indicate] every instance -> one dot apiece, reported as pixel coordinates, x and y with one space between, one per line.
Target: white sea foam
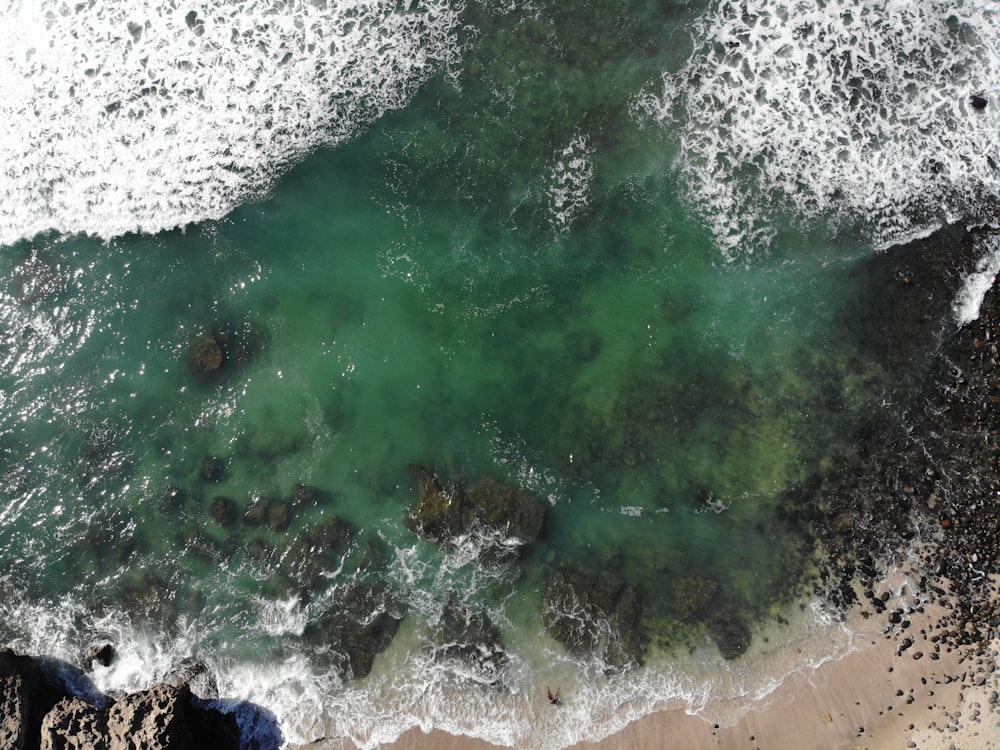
854 111
970 297
569 182
141 115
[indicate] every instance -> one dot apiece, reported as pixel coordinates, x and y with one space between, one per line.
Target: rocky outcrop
37 713
317 551
507 519
595 614
74 724
27 692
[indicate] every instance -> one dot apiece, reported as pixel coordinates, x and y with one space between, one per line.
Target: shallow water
515 274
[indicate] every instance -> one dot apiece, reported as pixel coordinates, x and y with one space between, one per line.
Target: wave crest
858 112
130 116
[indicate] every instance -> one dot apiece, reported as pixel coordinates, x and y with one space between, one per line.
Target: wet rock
74 724
355 632
692 595
508 519
205 356
306 496
102 654
195 675
469 638
223 511
194 540
978 102
595 614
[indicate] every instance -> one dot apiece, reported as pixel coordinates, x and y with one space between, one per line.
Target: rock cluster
38 713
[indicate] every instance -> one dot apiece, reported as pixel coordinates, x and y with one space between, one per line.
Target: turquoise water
507 277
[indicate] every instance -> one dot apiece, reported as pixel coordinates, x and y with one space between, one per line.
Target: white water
970 297
853 111
139 115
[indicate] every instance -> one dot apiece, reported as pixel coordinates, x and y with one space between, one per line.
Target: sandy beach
929 696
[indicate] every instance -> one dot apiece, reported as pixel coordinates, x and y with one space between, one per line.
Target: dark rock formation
469 638
278 517
37 713
195 675
355 632
255 513
731 633
103 654
28 691
315 552
978 102
597 614
509 519
306 496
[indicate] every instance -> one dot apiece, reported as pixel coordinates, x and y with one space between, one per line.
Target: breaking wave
859 113
138 116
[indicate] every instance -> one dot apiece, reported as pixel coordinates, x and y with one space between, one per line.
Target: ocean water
602 252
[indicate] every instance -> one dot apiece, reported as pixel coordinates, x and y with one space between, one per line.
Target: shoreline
874 697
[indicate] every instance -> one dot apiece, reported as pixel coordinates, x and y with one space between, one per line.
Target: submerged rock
595 614
212 470
508 518
223 510
692 595
731 633
362 627
205 356
35 279
315 552
470 638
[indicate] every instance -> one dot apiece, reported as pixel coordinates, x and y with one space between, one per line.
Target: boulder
103 654
508 519
28 692
255 513
278 517
195 675
595 613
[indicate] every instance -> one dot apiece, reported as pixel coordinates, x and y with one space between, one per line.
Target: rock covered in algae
508 518
692 595
595 613
316 551
470 638
731 633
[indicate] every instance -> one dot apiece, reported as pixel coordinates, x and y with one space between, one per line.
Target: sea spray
142 116
854 113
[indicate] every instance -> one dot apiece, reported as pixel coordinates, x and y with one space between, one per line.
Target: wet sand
876 697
